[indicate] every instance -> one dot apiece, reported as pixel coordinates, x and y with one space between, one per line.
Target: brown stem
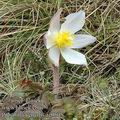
56 82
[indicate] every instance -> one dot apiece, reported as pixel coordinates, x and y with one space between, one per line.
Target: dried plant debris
76 105
29 108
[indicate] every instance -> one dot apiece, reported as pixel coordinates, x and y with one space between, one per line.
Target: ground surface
25 76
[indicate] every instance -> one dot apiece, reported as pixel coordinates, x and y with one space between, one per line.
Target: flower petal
74 22
55 22
73 57
81 41
49 40
53 29
54 55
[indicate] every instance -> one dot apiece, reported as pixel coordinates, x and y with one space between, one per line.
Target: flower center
63 39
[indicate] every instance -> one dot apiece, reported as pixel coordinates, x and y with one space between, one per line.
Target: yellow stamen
63 39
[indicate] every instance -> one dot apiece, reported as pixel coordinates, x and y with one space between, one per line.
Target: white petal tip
74 22
73 57
55 64
94 39
54 55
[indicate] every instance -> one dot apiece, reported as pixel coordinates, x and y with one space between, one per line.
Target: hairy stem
56 82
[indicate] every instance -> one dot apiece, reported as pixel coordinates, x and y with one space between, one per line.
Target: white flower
61 39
